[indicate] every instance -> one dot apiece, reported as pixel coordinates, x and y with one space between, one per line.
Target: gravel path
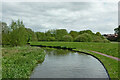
118 59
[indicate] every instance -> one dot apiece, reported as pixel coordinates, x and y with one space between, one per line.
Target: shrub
51 39
84 38
67 38
99 39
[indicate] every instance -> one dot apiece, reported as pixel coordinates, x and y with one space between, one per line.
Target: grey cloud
78 16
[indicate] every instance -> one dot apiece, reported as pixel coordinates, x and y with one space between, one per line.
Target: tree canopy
16 34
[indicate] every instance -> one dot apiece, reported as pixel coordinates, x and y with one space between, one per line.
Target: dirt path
118 59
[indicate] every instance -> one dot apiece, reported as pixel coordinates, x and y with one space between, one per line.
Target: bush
99 39
67 38
84 38
51 39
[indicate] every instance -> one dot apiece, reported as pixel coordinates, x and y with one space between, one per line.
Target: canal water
60 63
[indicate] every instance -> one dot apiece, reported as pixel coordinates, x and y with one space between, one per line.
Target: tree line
117 31
16 34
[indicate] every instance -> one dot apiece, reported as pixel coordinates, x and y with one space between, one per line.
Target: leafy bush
99 39
51 39
84 38
67 38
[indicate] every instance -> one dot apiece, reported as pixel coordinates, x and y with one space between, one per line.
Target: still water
60 63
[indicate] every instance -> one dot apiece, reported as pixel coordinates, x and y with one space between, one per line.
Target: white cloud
97 16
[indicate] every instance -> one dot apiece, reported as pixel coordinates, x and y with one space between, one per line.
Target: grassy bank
106 48
18 62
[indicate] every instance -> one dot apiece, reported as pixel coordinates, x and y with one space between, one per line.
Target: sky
42 16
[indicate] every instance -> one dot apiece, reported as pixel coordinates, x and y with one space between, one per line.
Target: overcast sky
42 16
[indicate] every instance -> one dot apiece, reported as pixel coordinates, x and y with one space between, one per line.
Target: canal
60 63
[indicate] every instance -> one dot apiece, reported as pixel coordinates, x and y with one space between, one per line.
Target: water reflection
68 64
57 52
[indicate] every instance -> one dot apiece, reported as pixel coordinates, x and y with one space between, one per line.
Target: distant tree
40 36
5 33
18 35
0 32
99 34
60 33
84 38
74 34
80 38
67 38
117 31
51 39
86 31
13 25
31 35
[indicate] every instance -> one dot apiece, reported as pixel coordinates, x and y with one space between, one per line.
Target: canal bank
110 64
61 63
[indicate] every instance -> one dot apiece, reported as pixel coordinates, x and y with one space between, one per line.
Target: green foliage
51 39
117 31
40 36
16 38
31 35
5 38
17 34
98 34
18 62
74 34
83 38
86 31
60 33
67 38
5 33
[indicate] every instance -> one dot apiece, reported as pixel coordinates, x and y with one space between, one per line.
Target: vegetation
67 38
12 35
16 34
117 31
106 48
18 62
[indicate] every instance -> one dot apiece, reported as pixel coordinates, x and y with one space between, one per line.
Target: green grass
18 62
106 48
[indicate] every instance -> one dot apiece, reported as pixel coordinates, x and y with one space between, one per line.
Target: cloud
41 16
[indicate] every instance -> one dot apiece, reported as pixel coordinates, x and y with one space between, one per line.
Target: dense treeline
16 35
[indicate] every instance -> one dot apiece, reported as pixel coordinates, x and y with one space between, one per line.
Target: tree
67 38
99 34
84 38
18 35
5 33
31 35
117 31
74 34
86 31
60 33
